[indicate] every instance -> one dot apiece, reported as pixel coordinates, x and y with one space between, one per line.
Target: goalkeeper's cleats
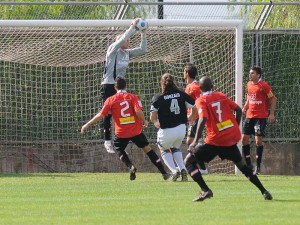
267 195
204 195
204 172
109 146
132 172
184 176
257 170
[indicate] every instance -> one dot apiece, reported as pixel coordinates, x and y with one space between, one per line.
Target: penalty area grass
111 198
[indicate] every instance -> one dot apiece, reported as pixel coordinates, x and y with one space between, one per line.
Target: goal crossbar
121 23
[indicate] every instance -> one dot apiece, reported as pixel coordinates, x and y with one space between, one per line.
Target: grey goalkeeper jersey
115 52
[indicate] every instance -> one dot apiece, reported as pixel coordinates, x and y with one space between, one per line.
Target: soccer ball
141 24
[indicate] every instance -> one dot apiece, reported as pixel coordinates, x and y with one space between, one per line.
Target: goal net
50 86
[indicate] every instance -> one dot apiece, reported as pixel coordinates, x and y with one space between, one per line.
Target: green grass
107 198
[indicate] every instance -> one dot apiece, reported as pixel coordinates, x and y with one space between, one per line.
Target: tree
25 11
281 16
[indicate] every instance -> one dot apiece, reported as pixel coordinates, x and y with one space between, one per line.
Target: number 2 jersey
171 108
222 128
123 106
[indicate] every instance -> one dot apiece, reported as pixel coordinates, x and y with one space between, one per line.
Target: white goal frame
237 24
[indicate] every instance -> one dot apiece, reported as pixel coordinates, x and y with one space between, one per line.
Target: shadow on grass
285 200
26 175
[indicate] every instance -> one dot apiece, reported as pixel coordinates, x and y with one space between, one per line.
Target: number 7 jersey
221 125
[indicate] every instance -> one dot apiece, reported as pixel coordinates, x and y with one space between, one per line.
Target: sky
198 11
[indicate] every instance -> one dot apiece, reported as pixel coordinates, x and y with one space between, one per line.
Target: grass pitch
108 198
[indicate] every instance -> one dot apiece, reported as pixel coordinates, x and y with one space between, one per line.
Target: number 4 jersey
221 125
123 106
171 108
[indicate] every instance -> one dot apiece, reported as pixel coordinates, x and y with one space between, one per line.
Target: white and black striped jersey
171 108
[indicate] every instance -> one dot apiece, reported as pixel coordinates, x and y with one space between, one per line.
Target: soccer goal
51 72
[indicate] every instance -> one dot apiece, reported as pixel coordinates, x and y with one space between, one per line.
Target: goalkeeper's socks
156 161
107 127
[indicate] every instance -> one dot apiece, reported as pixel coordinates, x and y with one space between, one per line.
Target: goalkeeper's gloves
133 23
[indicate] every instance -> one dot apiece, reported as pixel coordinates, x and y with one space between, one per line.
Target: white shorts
171 137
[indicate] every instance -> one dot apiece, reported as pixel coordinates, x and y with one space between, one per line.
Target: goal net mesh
50 86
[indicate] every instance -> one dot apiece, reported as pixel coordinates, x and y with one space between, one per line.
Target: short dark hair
120 83
191 70
257 69
206 84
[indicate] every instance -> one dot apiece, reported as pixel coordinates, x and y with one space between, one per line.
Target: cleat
203 172
132 173
204 195
173 177
267 195
257 170
166 176
184 176
109 147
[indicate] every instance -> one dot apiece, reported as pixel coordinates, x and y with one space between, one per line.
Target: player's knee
165 151
244 168
189 159
147 149
175 150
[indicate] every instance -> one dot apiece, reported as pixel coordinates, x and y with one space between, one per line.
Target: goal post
51 73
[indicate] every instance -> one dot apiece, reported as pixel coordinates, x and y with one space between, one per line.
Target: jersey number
126 106
218 111
174 107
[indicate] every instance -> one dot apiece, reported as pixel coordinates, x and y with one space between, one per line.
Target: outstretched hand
133 23
84 128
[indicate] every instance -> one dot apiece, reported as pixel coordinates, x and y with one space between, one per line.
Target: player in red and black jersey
193 89
169 114
126 110
215 111
260 108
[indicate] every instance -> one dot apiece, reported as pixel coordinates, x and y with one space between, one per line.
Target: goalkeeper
117 60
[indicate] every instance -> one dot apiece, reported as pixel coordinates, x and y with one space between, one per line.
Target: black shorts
206 152
139 140
255 126
107 90
192 129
